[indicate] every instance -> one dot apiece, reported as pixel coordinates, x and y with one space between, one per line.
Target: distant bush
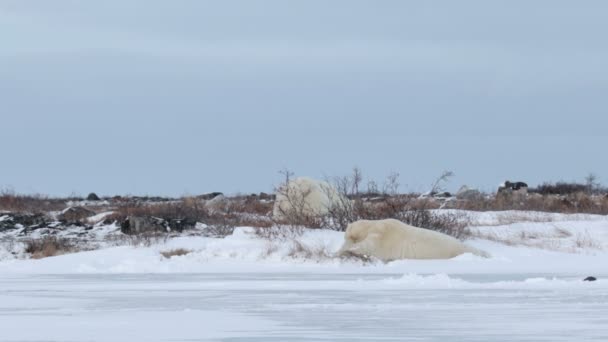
11 201
577 202
559 188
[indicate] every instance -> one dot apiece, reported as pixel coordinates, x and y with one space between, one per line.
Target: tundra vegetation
148 220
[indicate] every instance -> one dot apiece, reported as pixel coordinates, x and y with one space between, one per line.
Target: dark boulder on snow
93 197
135 225
75 215
210 195
443 194
511 187
590 279
17 220
266 197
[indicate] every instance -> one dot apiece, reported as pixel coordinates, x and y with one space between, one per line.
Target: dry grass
300 250
175 252
13 202
140 240
572 203
49 246
559 239
585 241
274 233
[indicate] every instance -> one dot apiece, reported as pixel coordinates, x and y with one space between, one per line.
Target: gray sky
185 97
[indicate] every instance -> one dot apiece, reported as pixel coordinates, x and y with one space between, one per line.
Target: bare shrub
300 250
562 233
252 205
349 256
219 231
175 252
48 246
411 209
559 188
297 211
586 241
276 232
146 240
451 223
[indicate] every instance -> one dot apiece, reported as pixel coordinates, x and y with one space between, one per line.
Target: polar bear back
392 239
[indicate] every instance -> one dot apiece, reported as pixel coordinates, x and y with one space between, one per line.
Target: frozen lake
301 307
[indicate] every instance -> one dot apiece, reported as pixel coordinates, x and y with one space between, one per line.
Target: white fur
307 196
392 239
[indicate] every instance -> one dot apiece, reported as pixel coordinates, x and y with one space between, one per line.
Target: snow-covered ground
244 287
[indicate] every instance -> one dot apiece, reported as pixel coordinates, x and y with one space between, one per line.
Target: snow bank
565 245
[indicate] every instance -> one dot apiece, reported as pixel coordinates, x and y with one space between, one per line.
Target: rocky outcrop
19 220
513 187
210 196
135 225
75 215
93 197
469 194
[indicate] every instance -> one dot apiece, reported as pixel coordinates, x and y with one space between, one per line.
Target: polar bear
391 239
305 197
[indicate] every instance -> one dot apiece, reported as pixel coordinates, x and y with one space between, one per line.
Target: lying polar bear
392 239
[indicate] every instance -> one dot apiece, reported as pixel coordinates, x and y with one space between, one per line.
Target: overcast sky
186 97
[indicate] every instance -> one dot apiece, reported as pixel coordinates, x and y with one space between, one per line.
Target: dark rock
466 193
210 195
590 279
266 197
444 194
93 197
513 186
15 220
180 225
75 215
135 225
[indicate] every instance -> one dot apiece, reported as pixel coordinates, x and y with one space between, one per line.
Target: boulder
513 187
443 194
217 204
93 197
466 193
210 196
266 197
75 215
135 225
17 220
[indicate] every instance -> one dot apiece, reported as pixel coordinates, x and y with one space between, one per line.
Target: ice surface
301 307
